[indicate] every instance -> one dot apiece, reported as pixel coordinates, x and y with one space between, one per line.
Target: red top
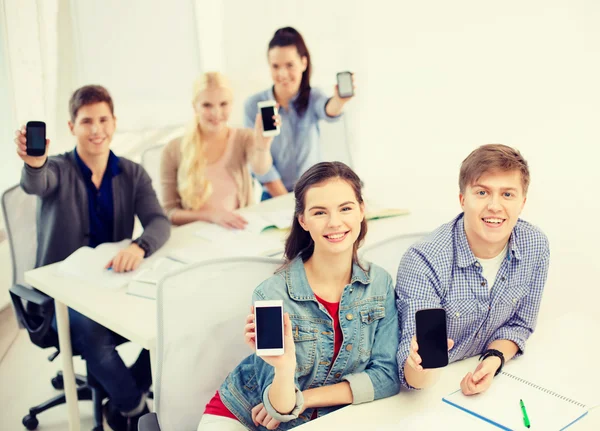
333 310
216 407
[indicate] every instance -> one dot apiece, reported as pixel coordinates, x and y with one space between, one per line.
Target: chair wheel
58 382
30 422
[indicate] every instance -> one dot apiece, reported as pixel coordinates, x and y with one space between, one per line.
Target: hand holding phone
432 339
261 142
268 110
32 143
268 332
345 85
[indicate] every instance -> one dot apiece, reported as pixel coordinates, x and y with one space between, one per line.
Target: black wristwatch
494 352
143 245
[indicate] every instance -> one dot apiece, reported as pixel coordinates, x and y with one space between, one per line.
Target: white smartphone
268 109
268 318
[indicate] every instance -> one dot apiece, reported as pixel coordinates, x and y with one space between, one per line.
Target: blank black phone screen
267 113
36 137
269 327
432 337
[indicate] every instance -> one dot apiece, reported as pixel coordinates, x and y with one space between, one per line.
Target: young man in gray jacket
87 197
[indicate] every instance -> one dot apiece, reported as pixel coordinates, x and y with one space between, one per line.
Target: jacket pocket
305 340
369 318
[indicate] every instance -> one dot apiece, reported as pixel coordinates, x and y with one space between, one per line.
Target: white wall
445 77
8 158
144 52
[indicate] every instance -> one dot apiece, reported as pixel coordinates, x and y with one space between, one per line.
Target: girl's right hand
227 219
21 142
285 362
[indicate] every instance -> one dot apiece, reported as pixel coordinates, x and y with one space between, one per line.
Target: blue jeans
97 345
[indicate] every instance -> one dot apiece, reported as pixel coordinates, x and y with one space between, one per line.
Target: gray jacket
62 213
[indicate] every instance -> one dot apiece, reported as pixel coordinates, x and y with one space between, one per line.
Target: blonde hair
192 184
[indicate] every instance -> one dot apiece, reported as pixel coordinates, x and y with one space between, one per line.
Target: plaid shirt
441 271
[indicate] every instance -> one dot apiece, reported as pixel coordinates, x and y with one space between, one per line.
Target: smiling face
286 67
332 216
94 126
492 205
213 108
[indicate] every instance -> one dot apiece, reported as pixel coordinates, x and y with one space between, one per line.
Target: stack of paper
145 281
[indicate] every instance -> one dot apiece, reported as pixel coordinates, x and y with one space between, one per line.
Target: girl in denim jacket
341 323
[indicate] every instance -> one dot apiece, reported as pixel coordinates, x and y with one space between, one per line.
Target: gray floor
25 374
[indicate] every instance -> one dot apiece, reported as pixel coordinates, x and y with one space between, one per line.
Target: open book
88 263
257 222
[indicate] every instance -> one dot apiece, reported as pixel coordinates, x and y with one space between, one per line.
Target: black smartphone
432 337
268 109
36 138
344 82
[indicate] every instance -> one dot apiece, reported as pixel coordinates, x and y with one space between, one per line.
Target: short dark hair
89 95
299 242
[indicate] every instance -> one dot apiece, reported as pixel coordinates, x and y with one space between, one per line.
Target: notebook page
88 264
566 367
500 404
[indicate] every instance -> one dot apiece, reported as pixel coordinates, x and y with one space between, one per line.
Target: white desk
130 316
134 317
387 412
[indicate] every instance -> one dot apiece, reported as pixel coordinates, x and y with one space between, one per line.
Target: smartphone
432 337
268 317
344 82
36 138
268 109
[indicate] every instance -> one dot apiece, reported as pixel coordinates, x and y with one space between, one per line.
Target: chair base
84 393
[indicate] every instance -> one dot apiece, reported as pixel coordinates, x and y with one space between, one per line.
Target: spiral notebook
499 405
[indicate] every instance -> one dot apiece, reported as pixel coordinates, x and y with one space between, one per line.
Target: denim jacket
367 357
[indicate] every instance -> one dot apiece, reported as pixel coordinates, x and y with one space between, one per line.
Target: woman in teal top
331 358
301 107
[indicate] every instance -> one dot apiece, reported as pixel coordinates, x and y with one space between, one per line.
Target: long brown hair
299 242
289 36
